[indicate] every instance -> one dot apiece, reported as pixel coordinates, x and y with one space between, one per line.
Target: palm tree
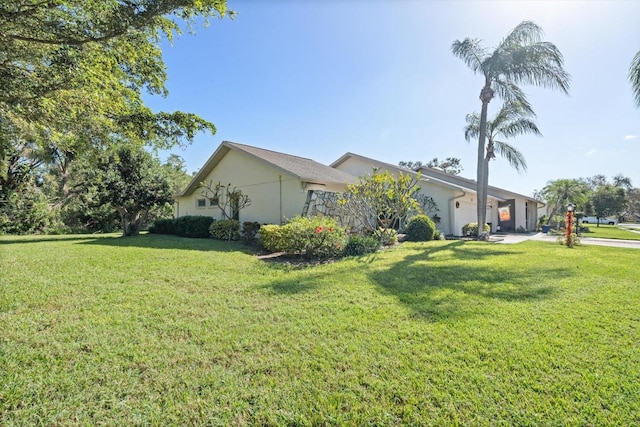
560 192
634 78
513 119
521 57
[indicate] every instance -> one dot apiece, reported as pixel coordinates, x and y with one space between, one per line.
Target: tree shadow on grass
11 240
162 241
444 282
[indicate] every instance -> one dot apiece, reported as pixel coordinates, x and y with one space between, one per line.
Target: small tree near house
229 200
380 200
130 179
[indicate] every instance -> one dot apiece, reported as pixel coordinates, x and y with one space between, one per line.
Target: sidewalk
512 238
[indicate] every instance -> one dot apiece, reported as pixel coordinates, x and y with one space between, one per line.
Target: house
280 186
455 197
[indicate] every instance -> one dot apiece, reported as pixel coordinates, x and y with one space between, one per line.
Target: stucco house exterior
456 197
280 186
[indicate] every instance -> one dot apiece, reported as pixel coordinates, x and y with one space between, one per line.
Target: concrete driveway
512 238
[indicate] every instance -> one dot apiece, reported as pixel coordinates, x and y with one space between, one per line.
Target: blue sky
320 78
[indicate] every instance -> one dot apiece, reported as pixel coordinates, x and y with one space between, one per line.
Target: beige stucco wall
275 195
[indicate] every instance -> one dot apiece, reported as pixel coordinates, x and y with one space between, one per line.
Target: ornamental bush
226 229
361 245
309 237
163 226
386 236
250 230
471 229
271 237
193 226
421 228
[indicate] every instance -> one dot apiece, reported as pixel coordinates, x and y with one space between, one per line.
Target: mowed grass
610 232
159 330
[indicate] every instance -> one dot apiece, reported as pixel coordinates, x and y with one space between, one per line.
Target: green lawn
610 232
160 330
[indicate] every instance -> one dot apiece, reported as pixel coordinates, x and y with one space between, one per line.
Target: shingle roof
304 169
433 174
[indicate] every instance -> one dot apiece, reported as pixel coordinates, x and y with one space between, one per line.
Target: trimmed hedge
421 228
163 226
193 226
226 229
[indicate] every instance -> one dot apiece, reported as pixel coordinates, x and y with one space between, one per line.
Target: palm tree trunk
485 186
482 174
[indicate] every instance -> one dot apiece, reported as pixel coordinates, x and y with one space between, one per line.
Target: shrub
250 230
471 229
163 226
193 226
386 236
570 242
361 245
226 229
420 229
271 237
310 237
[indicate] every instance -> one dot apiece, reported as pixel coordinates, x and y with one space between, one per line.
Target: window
213 201
235 209
201 203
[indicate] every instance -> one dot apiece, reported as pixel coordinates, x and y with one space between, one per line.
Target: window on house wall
213 201
201 203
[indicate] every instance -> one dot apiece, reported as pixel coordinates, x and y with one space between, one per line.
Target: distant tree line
593 196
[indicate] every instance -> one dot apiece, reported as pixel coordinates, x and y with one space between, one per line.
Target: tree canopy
522 57
512 120
72 78
634 78
381 200
131 181
560 192
450 165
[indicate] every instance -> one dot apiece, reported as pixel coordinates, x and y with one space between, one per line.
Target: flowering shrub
310 237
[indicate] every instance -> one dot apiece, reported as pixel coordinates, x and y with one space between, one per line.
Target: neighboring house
455 197
280 186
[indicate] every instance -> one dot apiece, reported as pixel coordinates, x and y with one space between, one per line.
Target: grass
610 232
159 330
